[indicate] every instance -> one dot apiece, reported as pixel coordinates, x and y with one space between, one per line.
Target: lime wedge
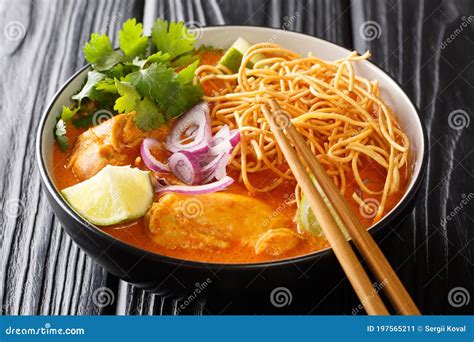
114 195
233 57
307 219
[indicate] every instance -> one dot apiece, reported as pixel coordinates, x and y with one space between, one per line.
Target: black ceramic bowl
167 275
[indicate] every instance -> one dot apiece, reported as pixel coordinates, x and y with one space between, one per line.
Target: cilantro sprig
60 134
140 76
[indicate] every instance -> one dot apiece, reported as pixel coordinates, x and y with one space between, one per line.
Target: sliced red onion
198 156
205 159
217 169
190 131
224 141
214 162
221 135
223 147
185 166
198 189
212 165
198 117
234 137
160 181
151 162
221 168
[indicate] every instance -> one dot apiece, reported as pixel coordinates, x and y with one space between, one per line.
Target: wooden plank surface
43 272
408 39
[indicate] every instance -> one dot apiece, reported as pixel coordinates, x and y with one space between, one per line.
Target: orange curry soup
281 200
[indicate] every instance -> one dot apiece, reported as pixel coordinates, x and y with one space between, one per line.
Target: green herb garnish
140 76
99 52
172 38
131 39
89 89
60 135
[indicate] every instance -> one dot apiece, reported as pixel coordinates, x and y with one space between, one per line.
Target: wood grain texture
411 45
43 272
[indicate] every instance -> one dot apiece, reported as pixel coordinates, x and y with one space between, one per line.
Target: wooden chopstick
344 253
376 260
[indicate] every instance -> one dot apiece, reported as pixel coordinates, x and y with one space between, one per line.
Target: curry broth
280 199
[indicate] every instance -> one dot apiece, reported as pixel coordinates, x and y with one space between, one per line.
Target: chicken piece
109 143
277 241
214 220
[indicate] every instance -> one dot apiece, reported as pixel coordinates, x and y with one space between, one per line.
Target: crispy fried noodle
341 115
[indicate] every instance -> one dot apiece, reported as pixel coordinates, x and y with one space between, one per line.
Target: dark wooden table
428 46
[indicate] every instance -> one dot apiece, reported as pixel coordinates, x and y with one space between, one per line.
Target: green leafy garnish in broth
139 76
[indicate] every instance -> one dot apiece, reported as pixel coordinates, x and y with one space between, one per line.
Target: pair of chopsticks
280 123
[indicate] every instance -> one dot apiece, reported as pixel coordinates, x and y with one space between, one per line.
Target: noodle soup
224 192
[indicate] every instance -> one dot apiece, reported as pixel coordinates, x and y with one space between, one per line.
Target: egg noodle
341 116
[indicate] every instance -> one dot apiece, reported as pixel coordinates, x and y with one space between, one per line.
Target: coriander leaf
83 122
157 82
118 71
158 57
171 92
188 96
184 60
100 54
186 75
105 101
107 85
148 115
97 47
131 39
93 77
63 143
129 97
68 113
138 62
60 135
173 38
192 94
